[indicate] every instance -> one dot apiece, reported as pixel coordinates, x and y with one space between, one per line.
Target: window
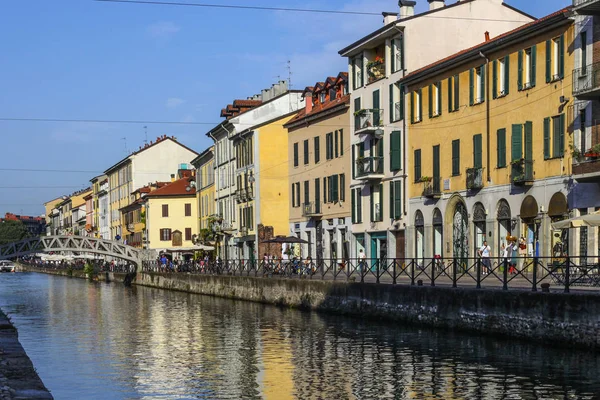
376 203
501 77
435 99
293 195
417 161
396 102
297 194
329 146
342 188
306 153
188 234
501 148
318 194
456 157
555 59
477 85
341 142
165 235
397 61
416 106
356 206
527 68
453 94
306 192
345 89
165 210
396 200
583 53
477 151
396 151
188 210
357 117
336 144
295 154
322 97
582 142
357 71
332 94
554 136
317 150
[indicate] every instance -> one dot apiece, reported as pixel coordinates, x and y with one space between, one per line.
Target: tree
12 231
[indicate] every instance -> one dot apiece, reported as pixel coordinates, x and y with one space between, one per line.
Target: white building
376 63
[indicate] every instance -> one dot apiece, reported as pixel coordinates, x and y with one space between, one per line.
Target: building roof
494 44
177 188
204 157
340 102
159 139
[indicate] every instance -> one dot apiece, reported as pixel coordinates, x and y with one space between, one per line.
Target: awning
577 222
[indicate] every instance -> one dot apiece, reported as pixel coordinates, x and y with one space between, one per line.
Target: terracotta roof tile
247 103
319 108
177 188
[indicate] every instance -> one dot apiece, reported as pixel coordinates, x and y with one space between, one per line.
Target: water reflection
109 342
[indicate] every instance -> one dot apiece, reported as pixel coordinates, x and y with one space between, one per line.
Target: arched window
503 216
479 216
419 237
438 233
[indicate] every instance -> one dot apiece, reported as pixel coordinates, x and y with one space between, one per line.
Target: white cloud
174 102
163 30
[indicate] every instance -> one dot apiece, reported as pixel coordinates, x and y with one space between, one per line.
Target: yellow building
133 216
171 218
205 185
99 189
51 215
488 143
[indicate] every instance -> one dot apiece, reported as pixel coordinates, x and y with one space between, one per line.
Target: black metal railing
432 187
586 79
311 209
474 178
368 119
515 273
366 166
522 172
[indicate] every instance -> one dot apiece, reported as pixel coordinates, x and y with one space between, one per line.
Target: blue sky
80 59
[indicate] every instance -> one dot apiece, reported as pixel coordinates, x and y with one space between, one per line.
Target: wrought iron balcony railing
522 172
432 187
312 209
369 168
243 195
586 80
369 121
474 178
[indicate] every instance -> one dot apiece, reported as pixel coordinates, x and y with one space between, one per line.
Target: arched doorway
529 213
479 225
503 216
558 210
419 237
460 234
438 233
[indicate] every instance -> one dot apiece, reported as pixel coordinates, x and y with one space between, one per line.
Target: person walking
485 252
362 257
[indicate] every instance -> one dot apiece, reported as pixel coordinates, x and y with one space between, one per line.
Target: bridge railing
524 273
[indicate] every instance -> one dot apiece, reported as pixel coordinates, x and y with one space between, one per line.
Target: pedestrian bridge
71 244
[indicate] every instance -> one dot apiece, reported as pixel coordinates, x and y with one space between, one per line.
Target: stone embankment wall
556 318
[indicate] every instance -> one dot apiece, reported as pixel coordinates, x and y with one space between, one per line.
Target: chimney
435 4
487 36
389 17
407 8
308 101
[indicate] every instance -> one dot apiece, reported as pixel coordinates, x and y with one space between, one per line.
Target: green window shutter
353 161
362 70
482 83
417 161
430 101
342 187
391 200
412 107
341 142
436 161
317 149
471 87
528 140
456 92
501 148
548 61
395 150
533 64
398 200
317 194
361 149
561 56
456 157
358 205
337 144
335 190
393 60
402 95
356 110
293 195
295 154
325 192
506 74
353 205
380 202
494 79
561 141
372 198
421 103
449 95
477 151
376 107
439 97
380 148
546 138
306 192
520 71
517 142
391 106
330 189
306 152
401 47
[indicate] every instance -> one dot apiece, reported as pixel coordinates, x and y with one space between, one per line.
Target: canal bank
553 318
18 377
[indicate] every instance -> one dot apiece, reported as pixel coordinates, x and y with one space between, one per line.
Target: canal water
106 341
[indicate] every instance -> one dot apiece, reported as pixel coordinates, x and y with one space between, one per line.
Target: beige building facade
319 173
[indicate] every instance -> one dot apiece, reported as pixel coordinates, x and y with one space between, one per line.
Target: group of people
509 251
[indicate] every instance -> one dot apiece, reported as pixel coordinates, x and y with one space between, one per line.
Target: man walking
485 252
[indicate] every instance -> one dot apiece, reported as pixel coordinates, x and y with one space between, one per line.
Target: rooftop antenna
289 68
145 135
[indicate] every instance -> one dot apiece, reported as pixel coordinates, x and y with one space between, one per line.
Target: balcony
131 227
586 166
368 121
586 81
432 187
474 178
243 195
522 172
312 209
376 69
369 168
243 231
587 7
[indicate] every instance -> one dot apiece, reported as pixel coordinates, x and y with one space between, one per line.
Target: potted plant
360 113
517 162
425 179
593 152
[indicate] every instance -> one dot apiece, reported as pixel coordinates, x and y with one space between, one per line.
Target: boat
7 266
